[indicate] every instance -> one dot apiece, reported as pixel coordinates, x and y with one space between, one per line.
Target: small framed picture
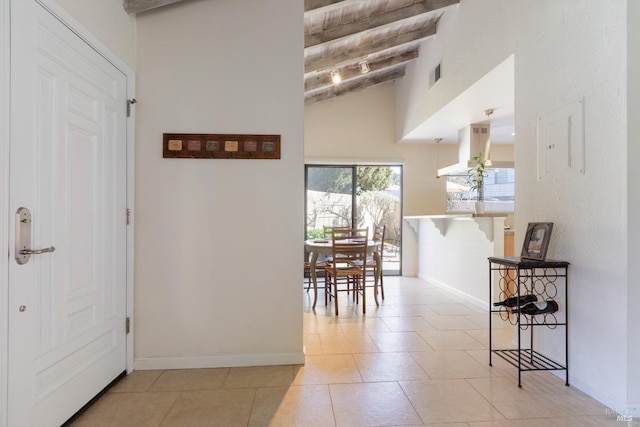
536 241
213 145
194 145
231 146
175 145
250 146
268 146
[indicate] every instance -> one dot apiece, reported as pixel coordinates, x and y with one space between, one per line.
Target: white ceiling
494 90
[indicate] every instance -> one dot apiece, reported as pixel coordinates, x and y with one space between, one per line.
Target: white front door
67 308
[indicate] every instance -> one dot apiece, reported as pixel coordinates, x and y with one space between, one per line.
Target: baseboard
226 361
616 409
473 300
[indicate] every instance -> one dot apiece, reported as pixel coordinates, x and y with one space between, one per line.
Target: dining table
315 247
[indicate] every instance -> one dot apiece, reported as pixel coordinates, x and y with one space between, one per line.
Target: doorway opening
359 196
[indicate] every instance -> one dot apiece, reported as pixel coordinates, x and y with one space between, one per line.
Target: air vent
436 73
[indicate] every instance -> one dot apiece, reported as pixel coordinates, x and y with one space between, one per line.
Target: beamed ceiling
339 34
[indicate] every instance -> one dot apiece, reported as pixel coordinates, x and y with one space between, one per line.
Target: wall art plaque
220 146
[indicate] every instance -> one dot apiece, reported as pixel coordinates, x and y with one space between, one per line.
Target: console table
546 280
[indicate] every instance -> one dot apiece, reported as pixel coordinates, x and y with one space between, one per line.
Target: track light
335 77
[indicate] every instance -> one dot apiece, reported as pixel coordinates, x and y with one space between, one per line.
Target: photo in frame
536 241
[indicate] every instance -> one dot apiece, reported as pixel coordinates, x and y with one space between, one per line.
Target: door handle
23 238
37 251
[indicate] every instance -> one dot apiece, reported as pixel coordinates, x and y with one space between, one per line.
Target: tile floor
420 358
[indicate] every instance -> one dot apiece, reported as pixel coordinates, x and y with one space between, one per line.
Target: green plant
476 179
315 233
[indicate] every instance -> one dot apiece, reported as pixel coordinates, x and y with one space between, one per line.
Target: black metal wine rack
517 277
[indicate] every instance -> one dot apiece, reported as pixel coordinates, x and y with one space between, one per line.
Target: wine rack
516 277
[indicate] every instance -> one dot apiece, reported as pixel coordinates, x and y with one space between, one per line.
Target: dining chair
378 236
320 272
328 229
347 268
374 264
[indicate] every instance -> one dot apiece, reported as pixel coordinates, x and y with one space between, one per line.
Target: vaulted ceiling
341 34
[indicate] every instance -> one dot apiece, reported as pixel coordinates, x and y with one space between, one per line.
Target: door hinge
129 102
128 325
128 216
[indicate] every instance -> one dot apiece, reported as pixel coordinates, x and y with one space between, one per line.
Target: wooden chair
328 230
374 264
320 272
347 266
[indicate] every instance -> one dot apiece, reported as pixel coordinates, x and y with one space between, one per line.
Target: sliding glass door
360 196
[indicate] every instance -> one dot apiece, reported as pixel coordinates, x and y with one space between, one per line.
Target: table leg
378 259
312 271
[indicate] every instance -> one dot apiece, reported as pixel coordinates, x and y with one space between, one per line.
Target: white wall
216 240
362 126
633 196
564 50
446 244
108 22
561 53
470 42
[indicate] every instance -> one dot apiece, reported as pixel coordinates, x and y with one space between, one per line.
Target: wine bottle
534 308
513 301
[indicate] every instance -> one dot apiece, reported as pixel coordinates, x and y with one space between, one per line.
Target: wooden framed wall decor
220 146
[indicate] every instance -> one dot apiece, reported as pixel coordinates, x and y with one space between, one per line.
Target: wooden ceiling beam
321 62
316 5
136 6
394 16
371 79
314 81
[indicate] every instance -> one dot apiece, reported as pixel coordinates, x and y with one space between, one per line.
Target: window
360 196
499 192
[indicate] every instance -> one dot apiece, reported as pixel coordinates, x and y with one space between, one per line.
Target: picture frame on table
536 241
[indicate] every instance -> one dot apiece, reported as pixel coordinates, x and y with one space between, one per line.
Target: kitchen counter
487 222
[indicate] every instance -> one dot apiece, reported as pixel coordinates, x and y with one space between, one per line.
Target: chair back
328 230
349 247
350 232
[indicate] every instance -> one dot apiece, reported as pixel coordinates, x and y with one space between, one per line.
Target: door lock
23 238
